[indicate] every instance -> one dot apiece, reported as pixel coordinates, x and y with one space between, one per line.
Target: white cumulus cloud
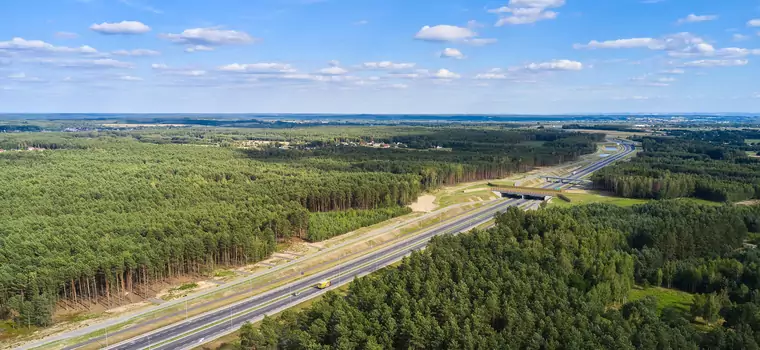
444 32
676 45
334 70
493 75
123 27
656 84
23 78
452 53
104 63
136 52
692 18
621 44
716 63
421 73
210 37
191 72
527 11
555 65
316 78
39 46
258 68
449 33
387 65
736 52
445 74
199 48
130 78
754 23
188 72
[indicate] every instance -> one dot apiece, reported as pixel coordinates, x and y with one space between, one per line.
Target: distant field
751 141
665 297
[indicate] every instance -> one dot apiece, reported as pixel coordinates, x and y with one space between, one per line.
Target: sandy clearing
173 293
318 245
128 307
424 204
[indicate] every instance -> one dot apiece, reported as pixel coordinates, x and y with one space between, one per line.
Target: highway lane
205 327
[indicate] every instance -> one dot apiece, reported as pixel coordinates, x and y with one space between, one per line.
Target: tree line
709 167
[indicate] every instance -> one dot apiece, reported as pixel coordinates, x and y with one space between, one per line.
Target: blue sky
380 56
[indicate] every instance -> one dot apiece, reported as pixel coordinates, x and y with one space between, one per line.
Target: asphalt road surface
206 327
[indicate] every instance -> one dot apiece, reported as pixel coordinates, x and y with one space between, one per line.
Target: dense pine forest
89 217
557 278
712 165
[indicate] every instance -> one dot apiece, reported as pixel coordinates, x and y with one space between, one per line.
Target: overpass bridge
567 180
527 193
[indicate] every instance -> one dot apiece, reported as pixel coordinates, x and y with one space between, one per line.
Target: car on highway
324 284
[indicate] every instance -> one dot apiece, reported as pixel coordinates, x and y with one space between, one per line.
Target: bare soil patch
424 204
